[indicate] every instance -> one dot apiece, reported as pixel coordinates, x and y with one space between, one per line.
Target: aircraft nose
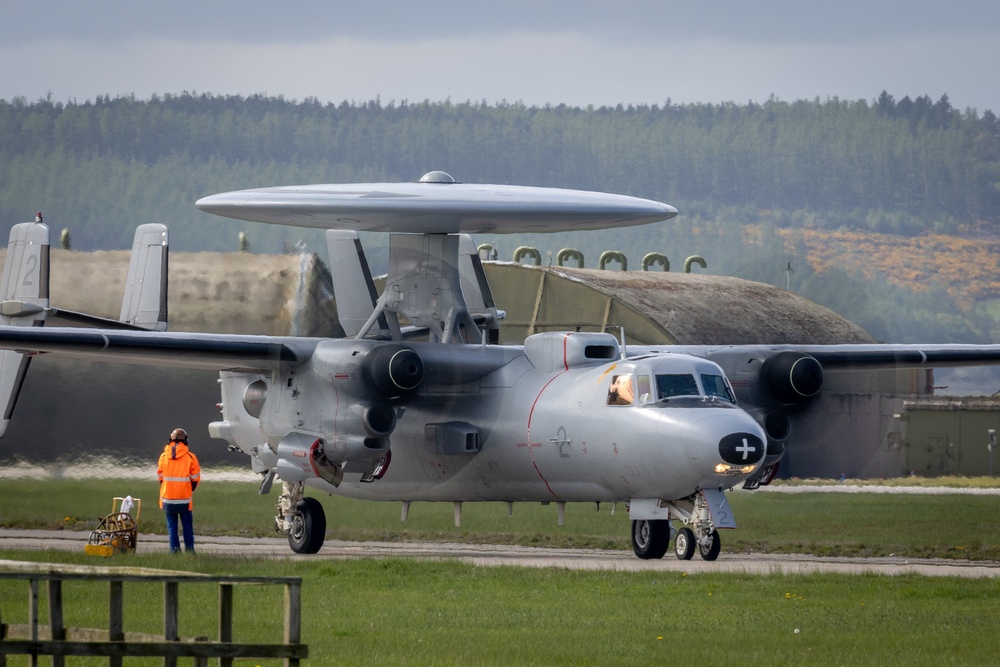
740 451
733 445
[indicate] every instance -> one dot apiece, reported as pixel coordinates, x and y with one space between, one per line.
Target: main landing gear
651 537
301 518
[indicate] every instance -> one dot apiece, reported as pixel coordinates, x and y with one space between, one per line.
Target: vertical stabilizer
424 286
353 287
24 300
145 301
24 287
478 295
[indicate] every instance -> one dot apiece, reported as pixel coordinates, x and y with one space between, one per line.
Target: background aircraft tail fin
144 306
145 301
353 287
24 286
24 290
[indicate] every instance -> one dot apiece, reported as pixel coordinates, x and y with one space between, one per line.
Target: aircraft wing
184 350
875 357
878 356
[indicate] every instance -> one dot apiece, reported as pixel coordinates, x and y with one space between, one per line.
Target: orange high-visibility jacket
179 474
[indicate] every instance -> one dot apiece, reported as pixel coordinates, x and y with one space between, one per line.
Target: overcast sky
536 52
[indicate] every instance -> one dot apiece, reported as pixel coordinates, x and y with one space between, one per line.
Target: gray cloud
577 53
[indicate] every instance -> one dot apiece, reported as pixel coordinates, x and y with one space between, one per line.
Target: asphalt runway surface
496 555
575 559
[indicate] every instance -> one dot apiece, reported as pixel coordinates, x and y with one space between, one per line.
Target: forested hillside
755 183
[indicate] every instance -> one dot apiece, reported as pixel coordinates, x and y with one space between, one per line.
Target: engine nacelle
370 370
362 433
792 378
394 370
303 456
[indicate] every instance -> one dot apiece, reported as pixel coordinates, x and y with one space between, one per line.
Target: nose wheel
708 545
684 544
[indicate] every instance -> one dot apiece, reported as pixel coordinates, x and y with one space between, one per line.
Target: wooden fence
56 640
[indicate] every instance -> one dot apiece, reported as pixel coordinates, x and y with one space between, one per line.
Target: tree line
907 166
885 165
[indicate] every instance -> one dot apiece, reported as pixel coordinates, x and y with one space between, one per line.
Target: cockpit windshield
676 385
717 387
684 384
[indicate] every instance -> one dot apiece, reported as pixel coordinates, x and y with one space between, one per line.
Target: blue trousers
187 523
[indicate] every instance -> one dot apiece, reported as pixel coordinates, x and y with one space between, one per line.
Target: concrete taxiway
496 555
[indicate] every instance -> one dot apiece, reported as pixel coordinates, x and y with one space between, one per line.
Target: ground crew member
179 474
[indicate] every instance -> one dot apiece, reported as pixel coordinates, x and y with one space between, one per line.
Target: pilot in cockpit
621 391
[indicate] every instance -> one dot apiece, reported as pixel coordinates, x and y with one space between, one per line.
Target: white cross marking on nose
746 449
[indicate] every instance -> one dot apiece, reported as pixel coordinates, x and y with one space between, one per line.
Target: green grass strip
865 524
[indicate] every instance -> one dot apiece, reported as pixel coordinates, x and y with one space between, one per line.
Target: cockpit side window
716 385
642 384
676 385
621 391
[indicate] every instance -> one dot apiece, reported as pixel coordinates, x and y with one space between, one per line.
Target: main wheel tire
711 550
650 538
684 544
308 527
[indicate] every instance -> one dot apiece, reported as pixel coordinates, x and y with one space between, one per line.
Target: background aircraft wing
183 350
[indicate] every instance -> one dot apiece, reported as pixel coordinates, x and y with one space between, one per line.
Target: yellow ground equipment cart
118 531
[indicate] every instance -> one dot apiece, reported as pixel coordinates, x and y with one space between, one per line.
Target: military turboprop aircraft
380 415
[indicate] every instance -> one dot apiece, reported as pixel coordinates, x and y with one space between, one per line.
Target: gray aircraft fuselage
541 426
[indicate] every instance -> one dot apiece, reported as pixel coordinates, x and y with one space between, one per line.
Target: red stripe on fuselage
531 446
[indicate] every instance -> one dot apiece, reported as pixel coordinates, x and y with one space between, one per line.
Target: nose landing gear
708 510
702 515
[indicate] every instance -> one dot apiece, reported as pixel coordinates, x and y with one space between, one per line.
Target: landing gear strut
699 531
301 518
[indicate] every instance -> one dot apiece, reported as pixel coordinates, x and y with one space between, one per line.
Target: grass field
404 612
945 526
400 612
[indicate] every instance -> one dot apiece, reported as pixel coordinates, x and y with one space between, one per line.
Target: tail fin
353 287
145 302
24 286
24 290
478 295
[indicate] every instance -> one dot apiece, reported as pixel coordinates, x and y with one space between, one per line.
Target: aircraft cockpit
675 386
